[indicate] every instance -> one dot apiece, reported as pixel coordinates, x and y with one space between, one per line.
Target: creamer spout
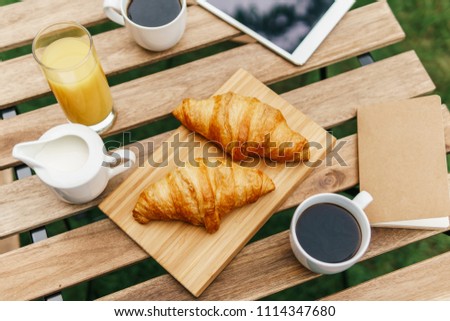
26 152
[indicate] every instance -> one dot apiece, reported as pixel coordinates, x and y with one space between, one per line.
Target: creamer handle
123 155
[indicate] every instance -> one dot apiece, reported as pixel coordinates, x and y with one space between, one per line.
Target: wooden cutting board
191 255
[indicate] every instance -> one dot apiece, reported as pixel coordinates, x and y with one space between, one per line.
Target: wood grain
9 244
276 266
21 21
12 242
244 39
48 266
102 247
126 253
38 206
40 269
168 242
21 79
149 98
328 102
92 267
424 281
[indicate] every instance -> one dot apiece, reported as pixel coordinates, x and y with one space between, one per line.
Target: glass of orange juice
66 53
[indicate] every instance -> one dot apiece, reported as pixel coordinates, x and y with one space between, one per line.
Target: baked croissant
201 195
244 126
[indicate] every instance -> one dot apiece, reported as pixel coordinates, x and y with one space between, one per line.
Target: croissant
243 126
201 194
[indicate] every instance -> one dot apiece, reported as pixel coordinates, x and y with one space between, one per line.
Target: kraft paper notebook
402 163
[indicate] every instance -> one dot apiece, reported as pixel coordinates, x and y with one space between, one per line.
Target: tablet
292 28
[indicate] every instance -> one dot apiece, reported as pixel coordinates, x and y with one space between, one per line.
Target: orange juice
77 80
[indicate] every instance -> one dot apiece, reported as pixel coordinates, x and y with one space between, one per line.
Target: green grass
427 29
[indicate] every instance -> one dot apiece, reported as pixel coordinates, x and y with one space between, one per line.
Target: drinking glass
66 54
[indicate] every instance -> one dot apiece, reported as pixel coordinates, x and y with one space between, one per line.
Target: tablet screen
284 22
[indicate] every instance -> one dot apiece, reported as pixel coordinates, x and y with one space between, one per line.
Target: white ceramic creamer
72 161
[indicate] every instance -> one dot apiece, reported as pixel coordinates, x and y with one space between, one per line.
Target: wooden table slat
328 102
12 242
20 21
431 279
21 79
39 270
149 98
277 269
101 247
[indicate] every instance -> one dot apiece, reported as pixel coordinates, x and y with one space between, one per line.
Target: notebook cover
402 160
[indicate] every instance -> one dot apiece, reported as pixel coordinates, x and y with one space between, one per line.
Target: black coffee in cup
328 233
153 13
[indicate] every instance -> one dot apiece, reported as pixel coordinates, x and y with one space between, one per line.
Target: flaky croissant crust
243 126
201 195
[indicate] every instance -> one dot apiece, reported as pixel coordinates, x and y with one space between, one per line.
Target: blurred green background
427 28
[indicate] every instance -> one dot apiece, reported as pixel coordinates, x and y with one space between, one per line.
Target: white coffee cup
152 38
355 207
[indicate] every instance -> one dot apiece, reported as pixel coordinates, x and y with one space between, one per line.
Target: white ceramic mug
72 161
152 38
355 207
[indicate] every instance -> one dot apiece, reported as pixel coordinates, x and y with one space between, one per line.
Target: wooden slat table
397 285
12 242
47 267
